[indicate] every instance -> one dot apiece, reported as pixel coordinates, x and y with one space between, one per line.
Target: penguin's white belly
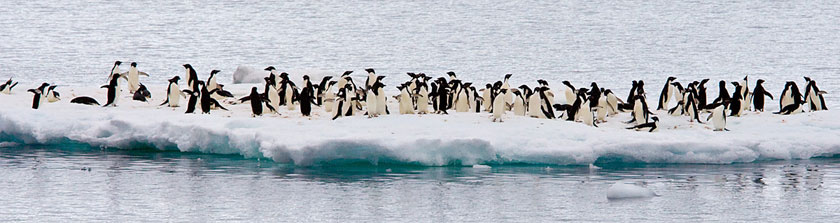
371 104
638 113
519 107
570 96
718 119
273 98
462 105
381 103
534 107
487 103
498 107
423 102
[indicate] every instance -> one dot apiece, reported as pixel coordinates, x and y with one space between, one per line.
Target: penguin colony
423 94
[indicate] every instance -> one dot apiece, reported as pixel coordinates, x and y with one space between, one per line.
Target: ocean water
75 44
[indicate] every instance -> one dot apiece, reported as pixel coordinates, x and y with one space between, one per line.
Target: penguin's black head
593 85
467 85
306 77
441 80
655 119
807 79
515 92
503 91
348 78
284 75
43 85
118 63
347 73
133 64
214 72
400 87
269 68
412 75
188 66
736 84
702 82
607 92
745 77
760 81
672 78
722 83
253 89
175 79
488 86
332 83
567 83
370 70
450 73
507 76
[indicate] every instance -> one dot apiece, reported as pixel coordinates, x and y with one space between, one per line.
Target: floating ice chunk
622 190
479 166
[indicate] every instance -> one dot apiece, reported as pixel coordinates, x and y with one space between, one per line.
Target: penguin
691 107
718 115
371 78
6 88
173 93
667 93
321 89
793 108
487 93
404 99
723 94
758 96
612 102
535 105
461 99
221 94
370 100
133 77
344 100
115 71
271 93
328 98
548 93
142 94
192 76
786 96
307 98
585 113
745 94
650 126
85 100
442 95
52 95
640 110
518 103
571 95
701 94
545 105
422 96
381 99
678 110
813 95
602 110
632 95
36 99
594 95
113 91
257 100
476 100
508 93
195 95
211 81
208 102
735 101
499 104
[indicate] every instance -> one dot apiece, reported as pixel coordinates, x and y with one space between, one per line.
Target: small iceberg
479 166
623 190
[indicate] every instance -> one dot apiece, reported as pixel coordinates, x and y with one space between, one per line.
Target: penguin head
569 84
507 76
269 68
133 64
379 78
745 77
175 79
117 63
253 90
702 82
655 119
467 84
736 84
671 78
607 92
722 83
214 72
515 92
759 81
502 91
347 73
370 71
331 83
488 86
807 79
306 77
187 66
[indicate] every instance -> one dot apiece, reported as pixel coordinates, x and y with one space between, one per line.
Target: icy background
76 42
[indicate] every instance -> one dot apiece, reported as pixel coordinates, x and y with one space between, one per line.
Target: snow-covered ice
625 190
431 140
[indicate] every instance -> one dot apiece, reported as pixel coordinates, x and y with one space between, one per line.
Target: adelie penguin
813 96
321 89
142 94
758 96
52 95
173 93
36 100
192 76
499 104
257 100
85 100
195 95
650 126
113 91
133 77
667 93
718 115
208 102
306 98
6 88
211 81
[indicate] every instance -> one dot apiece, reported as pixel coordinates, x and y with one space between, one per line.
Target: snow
430 140
625 190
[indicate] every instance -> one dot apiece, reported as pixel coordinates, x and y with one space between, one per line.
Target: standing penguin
328 98
758 96
404 99
701 94
208 102
370 101
36 99
487 94
371 78
745 94
508 93
442 96
535 104
52 95
813 95
735 101
257 100
113 91
422 96
640 110
718 116
6 88
133 77
667 93
173 93
499 104
570 93
306 98
115 71
321 90
192 76
271 93
211 81
723 94
195 95
518 103
381 99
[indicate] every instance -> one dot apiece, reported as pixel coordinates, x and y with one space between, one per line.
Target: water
75 43
48 184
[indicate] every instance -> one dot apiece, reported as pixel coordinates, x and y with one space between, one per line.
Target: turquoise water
84 184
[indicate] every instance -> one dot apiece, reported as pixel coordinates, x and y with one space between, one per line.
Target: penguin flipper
142 73
165 102
244 99
215 102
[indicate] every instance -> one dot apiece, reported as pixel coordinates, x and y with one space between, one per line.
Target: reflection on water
84 184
